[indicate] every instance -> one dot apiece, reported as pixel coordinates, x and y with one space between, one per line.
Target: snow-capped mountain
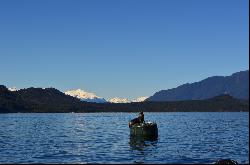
140 99
91 97
12 89
125 100
118 100
85 96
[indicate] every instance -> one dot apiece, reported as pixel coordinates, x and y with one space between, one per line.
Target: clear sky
121 48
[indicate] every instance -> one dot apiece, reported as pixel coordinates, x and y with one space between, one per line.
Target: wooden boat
148 129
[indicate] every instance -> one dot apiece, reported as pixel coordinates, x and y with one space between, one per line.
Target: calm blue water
104 138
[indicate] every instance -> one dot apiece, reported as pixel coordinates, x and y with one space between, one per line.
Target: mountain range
51 100
217 93
91 97
236 85
118 100
85 96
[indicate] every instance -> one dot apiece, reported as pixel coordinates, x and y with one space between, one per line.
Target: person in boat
138 120
141 117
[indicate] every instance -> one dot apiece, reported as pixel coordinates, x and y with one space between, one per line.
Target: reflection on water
140 143
142 147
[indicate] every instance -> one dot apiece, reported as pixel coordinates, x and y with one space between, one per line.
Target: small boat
147 129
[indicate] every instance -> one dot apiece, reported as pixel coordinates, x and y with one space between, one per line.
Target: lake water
105 138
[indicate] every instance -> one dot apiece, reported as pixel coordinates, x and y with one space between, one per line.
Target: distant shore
223 105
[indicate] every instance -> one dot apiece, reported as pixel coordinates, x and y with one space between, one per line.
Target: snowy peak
81 94
12 89
118 100
140 99
124 100
85 96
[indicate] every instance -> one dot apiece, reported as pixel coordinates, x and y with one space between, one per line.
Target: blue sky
121 48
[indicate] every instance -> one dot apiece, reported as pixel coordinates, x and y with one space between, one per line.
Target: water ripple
104 138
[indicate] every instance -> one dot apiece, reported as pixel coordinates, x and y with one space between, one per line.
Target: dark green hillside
220 103
50 100
47 100
10 102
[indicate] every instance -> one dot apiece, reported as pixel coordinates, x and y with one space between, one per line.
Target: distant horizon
106 98
126 49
